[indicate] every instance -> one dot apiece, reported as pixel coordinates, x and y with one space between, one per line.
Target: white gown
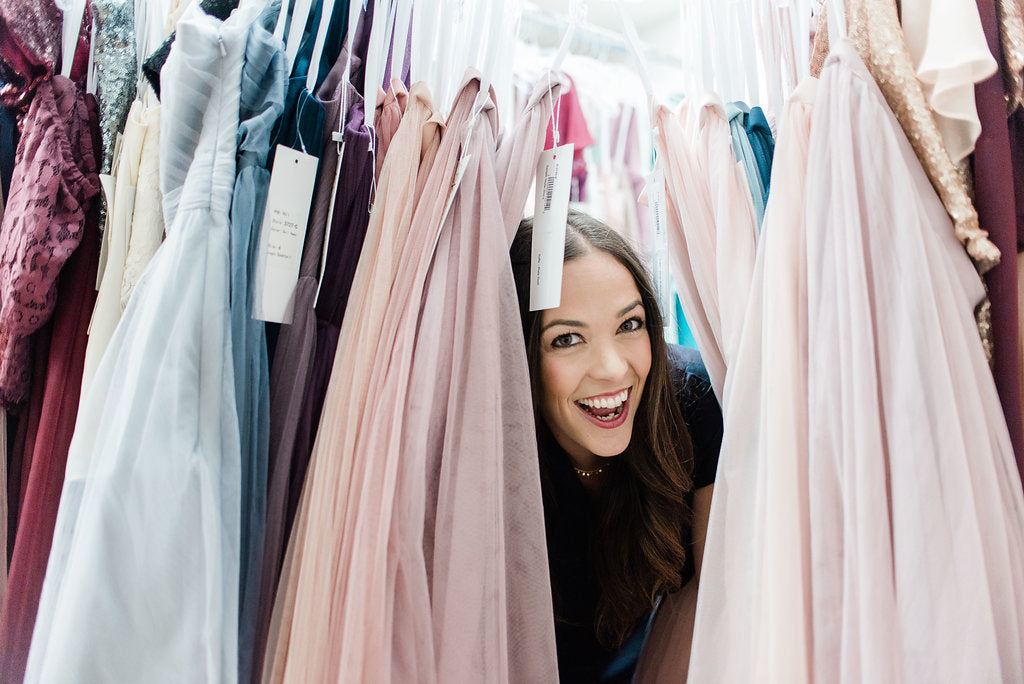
142 582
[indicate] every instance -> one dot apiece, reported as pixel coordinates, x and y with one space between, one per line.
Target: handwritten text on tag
282 234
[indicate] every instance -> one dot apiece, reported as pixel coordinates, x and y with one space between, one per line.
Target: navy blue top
569 512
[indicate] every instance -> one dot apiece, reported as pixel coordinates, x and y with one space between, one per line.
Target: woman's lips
608 424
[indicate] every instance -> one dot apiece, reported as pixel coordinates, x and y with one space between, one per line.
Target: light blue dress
142 581
264 77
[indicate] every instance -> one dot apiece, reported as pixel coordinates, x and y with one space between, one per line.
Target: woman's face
594 358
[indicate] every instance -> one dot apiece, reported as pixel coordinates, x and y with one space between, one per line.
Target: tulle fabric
437 567
917 518
309 635
755 585
888 523
708 205
142 582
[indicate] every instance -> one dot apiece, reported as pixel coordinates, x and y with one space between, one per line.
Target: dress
947 45
52 412
875 31
309 646
116 236
291 369
116 69
147 215
568 511
997 213
756 572
916 520
262 100
53 186
142 583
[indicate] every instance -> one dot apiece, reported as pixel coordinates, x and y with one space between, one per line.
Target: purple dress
993 186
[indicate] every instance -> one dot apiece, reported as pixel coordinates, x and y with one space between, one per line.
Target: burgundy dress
59 358
994 190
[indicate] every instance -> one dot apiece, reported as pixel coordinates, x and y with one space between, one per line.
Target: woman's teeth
606 402
605 408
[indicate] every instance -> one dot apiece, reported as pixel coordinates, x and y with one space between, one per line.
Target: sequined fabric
875 32
30 36
819 50
115 69
1011 36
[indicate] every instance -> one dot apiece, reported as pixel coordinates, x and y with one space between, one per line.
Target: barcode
549 190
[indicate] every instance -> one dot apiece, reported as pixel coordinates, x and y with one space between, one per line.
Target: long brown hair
637 544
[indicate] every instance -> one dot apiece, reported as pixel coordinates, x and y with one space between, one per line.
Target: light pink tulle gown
424 526
756 579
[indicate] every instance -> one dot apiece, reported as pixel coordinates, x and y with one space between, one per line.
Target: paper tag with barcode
659 240
282 234
554 178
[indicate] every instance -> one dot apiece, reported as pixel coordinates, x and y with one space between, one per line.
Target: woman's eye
632 324
566 340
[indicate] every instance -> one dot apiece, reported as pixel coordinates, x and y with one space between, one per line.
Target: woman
628 434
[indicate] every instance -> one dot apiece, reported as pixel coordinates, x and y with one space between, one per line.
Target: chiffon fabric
948 48
264 75
292 367
756 579
142 583
312 638
445 531
916 509
708 204
486 554
52 412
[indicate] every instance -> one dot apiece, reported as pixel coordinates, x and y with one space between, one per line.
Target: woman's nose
609 363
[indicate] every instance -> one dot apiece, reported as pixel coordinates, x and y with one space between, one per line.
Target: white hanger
298 15
376 56
633 43
400 37
71 23
313 75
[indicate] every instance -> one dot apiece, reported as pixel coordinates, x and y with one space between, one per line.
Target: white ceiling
651 17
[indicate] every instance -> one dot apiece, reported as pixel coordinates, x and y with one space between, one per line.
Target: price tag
282 234
551 208
659 241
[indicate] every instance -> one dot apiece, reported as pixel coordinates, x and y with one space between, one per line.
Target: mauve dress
51 418
290 371
997 213
306 641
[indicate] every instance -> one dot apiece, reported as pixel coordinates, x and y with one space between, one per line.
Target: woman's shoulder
700 410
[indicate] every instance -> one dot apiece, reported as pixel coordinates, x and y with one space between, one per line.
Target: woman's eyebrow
629 308
562 321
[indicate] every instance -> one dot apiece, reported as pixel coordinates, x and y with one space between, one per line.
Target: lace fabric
54 184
